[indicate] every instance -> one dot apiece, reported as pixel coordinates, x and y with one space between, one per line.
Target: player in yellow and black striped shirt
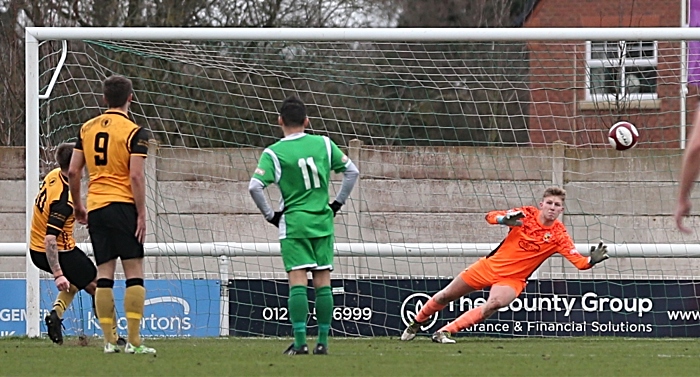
114 150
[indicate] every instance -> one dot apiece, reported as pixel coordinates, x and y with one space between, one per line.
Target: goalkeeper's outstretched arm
510 218
598 254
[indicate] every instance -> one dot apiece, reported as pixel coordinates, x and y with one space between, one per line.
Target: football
623 136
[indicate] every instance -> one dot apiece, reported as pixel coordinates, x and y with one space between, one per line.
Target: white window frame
627 62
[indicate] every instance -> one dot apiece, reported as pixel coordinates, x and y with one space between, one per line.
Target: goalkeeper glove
598 254
275 220
511 218
335 206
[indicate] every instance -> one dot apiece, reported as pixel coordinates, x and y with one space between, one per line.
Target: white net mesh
441 132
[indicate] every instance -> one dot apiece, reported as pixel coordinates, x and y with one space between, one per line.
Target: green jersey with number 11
301 164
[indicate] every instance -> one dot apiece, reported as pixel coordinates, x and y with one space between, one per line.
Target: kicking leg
55 318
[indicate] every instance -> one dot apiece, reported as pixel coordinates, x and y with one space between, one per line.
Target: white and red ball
623 135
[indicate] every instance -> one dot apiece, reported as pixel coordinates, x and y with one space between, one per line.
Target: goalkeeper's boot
111 348
411 330
139 350
321 349
53 327
303 350
442 337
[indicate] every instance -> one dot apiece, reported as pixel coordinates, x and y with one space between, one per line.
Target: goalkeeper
535 235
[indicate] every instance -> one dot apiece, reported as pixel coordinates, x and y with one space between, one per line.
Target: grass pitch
360 357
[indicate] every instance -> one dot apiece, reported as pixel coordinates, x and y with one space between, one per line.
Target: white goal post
35 35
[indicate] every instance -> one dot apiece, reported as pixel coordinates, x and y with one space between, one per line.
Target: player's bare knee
106 270
440 298
133 268
493 304
297 277
446 296
321 278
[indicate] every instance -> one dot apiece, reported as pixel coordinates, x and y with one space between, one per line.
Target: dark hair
116 90
555 191
293 112
64 152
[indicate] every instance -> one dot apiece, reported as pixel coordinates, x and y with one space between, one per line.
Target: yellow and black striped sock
134 298
64 299
104 306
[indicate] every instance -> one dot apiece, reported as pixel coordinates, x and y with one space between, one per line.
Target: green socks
324 313
298 313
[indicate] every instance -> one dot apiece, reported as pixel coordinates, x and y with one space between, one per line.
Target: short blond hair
555 191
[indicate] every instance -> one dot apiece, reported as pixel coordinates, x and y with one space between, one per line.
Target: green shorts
307 253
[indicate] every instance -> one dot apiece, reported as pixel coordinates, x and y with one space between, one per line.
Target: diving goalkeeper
535 235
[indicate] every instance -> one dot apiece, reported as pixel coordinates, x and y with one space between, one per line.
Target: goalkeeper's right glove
598 254
511 218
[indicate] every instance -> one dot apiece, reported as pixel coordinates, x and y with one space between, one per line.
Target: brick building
580 88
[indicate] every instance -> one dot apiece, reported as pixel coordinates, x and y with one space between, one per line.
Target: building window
621 70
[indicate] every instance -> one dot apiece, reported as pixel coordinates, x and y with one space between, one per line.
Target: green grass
361 357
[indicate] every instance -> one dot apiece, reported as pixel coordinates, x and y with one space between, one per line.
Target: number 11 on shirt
305 165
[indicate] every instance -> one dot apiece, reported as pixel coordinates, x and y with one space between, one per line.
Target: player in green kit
301 164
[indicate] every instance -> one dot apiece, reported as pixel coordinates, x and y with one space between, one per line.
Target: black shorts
113 233
76 266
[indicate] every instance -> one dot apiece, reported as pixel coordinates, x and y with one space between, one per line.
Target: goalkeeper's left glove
598 254
335 206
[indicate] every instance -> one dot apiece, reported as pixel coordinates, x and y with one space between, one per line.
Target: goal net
442 130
